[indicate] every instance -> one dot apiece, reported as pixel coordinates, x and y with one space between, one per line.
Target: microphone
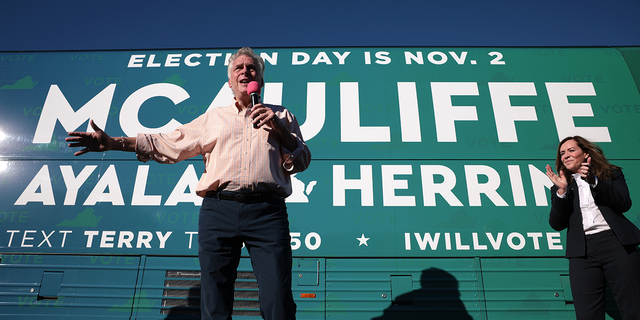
253 88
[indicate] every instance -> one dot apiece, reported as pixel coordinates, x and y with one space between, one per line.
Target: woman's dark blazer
611 197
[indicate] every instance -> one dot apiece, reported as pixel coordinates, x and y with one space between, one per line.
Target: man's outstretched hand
97 141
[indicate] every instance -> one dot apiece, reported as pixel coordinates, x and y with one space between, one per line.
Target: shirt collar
236 106
579 181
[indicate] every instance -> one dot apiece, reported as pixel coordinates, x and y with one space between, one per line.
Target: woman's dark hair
600 166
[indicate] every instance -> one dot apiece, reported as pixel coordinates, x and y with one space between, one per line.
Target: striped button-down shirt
237 156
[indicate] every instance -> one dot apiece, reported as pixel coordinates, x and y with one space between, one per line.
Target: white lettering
41 181
316 105
459 245
139 198
459 59
517 187
212 58
563 111
495 242
144 238
407 241
522 241
539 181
173 60
189 179
408 57
515 240
409 114
125 238
163 238
364 184
74 183
295 59
447 241
46 238
430 188
489 188
106 241
350 129
90 234
390 185
476 243
108 180
12 232
505 114
25 238
188 62
56 107
322 57
441 60
273 59
535 236
136 60
151 63
341 57
444 111
427 240
382 57
223 97
129 120
554 241
190 233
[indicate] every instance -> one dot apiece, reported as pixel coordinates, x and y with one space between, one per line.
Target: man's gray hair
246 51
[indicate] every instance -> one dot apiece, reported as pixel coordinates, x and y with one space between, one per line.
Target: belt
601 234
243 197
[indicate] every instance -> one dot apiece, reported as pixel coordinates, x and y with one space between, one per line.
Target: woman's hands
585 172
558 179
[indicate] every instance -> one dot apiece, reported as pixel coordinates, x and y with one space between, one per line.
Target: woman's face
572 155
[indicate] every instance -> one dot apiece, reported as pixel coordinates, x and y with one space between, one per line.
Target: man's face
243 71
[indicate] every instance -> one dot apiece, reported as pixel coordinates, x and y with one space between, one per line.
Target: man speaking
250 150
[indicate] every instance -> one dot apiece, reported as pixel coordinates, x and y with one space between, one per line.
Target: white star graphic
363 240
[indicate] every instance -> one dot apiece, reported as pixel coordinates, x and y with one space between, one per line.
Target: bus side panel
171 289
403 289
526 288
532 288
67 287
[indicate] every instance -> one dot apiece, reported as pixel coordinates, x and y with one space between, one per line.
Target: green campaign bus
426 196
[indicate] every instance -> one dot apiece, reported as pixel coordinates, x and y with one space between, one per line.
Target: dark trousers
264 228
606 260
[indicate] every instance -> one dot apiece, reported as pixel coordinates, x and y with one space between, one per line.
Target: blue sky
116 24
